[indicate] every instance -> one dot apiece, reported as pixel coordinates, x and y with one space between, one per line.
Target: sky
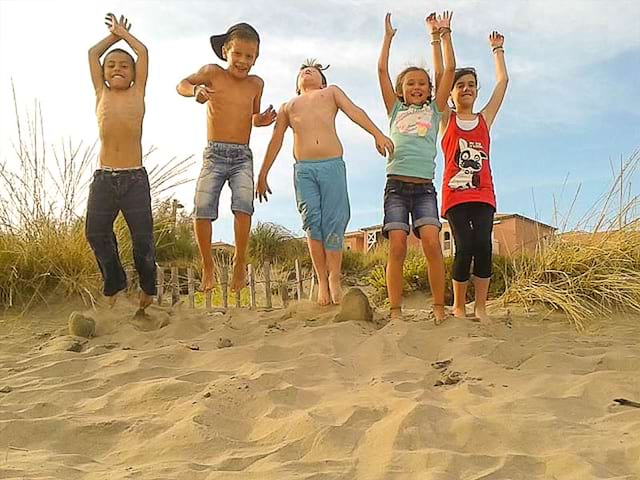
571 109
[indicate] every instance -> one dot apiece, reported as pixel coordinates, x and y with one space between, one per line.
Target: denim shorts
322 199
402 199
224 162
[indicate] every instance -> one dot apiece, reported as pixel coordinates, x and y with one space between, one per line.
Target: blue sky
571 106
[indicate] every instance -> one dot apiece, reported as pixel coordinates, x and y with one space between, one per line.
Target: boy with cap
121 183
233 106
319 172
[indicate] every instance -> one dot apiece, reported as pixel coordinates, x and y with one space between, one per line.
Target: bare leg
111 300
459 299
430 238
242 228
482 290
203 228
334 265
397 254
319 260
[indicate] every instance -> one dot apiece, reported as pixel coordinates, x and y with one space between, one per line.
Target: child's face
241 55
415 87
310 78
465 91
118 70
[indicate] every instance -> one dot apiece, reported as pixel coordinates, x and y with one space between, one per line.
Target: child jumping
233 106
468 198
319 171
120 184
413 117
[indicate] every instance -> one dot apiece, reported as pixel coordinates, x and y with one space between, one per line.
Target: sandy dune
298 396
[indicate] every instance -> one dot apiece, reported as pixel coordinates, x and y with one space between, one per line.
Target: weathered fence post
160 290
267 284
191 287
252 286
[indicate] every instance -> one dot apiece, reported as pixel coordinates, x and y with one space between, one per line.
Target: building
512 234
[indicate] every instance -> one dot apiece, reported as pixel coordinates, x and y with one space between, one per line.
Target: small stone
81 325
224 342
355 306
207 395
6 389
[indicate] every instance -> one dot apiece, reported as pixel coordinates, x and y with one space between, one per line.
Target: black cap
218 41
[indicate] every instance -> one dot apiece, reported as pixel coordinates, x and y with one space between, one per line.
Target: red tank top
467 173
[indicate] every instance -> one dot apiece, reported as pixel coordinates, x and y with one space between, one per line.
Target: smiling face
413 86
464 91
310 78
118 70
241 55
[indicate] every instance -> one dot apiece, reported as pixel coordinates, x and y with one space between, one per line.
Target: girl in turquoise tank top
414 116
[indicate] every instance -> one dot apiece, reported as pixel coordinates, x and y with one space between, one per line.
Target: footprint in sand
147 322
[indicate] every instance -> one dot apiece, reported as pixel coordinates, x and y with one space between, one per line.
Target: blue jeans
224 162
323 201
404 199
125 191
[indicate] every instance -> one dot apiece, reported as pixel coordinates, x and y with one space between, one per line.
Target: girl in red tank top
468 198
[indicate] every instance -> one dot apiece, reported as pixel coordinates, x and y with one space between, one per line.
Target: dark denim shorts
404 199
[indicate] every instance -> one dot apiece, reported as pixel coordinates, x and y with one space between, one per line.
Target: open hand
389 31
432 22
444 20
384 145
262 188
265 118
115 26
496 39
203 93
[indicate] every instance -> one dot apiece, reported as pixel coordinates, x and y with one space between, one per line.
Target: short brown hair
243 33
120 50
400 79
313 63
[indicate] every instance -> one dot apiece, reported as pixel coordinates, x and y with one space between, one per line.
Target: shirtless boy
319 172
121 184
233 106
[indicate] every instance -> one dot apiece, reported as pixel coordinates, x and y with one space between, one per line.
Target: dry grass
43 194
594 270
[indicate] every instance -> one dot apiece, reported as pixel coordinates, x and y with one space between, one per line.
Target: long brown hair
400 79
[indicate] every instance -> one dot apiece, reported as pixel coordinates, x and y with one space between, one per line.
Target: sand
294 395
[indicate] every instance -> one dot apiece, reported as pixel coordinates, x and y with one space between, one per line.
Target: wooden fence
171 283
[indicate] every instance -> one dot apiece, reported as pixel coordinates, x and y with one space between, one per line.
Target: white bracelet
195 87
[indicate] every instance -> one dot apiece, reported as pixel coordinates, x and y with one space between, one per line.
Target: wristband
497 49
195 87
443 30
435 42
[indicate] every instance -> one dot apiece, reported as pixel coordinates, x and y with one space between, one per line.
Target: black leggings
471 225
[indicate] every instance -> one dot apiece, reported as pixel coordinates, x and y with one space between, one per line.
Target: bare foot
111 300
239 280
439 314
335 287
483 317
395 313
208 277
324 298
460 313
145 300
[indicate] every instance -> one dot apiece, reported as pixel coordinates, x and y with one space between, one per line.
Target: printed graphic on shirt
469 158
414 121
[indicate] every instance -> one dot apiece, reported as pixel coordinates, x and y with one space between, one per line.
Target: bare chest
312 109
230 98
122 109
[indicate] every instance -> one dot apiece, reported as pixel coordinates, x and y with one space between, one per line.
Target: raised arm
275 144
489 112
436 50
358 116
443 87
388 93
120 28
265 118
95 52
199 85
